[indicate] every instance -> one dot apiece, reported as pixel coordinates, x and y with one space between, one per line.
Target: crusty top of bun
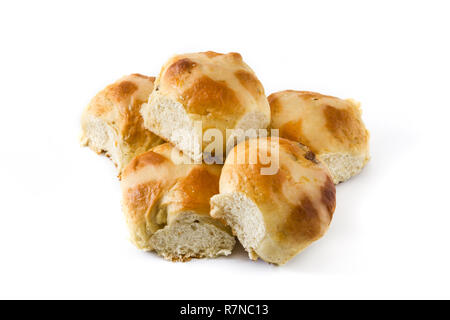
325 124
213 86
161 183
297 203
119 104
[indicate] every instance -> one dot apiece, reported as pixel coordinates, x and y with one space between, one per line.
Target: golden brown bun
331 127
165 198
275 216
112 122
219 90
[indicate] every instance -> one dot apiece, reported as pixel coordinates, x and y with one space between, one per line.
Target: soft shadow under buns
166 203
331 127
275 216
112 122
217 91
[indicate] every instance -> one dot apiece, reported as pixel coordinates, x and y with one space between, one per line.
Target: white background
62 232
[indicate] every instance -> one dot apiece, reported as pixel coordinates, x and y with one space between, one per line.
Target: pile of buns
183 200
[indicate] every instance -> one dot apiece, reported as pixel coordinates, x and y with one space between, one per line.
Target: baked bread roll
275 216
199 91
331 127
166 204
112 122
